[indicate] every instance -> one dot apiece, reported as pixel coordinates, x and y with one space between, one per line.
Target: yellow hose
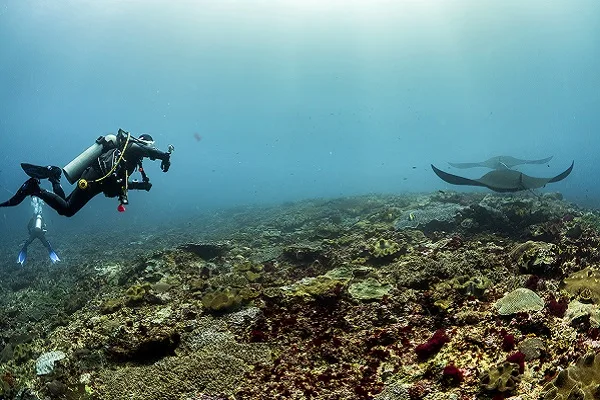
83 184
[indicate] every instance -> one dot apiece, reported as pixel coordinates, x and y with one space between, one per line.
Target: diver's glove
166 162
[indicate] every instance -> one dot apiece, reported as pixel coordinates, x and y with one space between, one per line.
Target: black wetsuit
114 184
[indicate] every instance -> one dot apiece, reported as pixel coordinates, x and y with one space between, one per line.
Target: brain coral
519 300
579 381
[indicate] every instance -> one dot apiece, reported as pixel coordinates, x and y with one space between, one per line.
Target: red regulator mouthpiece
121 208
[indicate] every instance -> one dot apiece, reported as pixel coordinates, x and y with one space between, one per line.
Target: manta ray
505 180
500 162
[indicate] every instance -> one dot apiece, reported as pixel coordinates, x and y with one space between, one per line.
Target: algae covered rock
579 381
519 300
532 348
577 310
369 289
535 257
502 378
584 283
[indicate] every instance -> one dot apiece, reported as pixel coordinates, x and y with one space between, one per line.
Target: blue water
295 99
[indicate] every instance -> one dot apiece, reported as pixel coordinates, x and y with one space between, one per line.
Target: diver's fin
53 256
22 256
39 172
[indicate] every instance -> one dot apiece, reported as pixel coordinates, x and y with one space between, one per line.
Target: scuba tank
39 224
75 168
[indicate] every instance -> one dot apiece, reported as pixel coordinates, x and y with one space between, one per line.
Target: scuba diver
105 167
37 230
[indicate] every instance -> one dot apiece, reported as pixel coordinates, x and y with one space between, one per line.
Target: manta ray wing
454 179
563 175
466 165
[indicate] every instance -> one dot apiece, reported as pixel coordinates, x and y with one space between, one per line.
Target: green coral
584 283
471 286
369 289
137 293
579 381
244 266
519 300
503 377
110 306
221 300
320 286
384 248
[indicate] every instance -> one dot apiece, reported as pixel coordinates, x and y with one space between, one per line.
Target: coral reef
426 296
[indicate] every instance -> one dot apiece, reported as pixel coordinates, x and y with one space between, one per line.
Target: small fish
197 137
411 217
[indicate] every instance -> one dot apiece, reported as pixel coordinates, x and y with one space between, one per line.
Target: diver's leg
57 188
69 206
29 188
51 253
23 253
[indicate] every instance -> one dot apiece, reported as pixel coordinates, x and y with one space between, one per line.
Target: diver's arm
151 152
141 150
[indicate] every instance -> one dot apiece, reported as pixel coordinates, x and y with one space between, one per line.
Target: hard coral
535 257
384 248
519 300
433 345
584 281
503 377
579 381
